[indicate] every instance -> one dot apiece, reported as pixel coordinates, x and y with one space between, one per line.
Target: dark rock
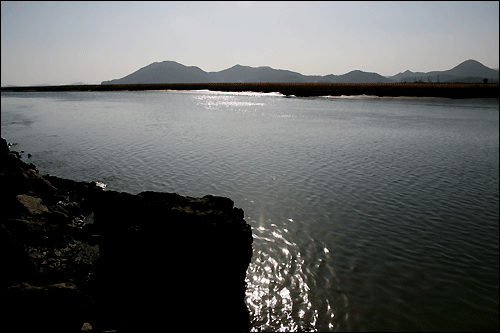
18 177
53 308
31 204
165 261
33 167
16 263
163 253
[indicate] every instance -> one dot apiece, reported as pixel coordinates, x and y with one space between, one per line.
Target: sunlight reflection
276 234
277 292
314 319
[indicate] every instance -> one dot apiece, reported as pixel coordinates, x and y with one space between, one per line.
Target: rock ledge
151 261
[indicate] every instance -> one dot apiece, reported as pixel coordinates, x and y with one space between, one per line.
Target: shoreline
446 90
119 271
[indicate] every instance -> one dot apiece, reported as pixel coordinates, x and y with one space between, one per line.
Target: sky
90 42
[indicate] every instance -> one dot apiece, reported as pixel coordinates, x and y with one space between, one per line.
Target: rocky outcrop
152 261
60 307
168 261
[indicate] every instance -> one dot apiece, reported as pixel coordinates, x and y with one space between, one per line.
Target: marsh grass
449 90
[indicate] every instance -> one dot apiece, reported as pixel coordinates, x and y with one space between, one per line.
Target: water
367 213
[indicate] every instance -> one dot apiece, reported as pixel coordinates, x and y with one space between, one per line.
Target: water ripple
367 214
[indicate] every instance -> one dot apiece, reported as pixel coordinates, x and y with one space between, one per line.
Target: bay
367 213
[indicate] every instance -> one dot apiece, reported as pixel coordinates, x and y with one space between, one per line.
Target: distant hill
164 72
468 71
173 72
240 73
357 76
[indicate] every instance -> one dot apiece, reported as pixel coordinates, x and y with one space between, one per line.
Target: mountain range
469 71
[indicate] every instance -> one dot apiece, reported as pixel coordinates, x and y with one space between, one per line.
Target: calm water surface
367 213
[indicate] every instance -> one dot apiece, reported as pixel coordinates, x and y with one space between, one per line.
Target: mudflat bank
447 90
76 257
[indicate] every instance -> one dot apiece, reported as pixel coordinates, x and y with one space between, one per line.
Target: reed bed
449 90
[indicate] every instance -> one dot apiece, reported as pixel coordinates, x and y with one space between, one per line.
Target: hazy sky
89 42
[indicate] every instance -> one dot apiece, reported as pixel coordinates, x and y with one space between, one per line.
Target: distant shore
447 90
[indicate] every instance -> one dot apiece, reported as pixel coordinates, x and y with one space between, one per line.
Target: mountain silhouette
358 76
240 73
173 72
471 68
164 72
469 71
